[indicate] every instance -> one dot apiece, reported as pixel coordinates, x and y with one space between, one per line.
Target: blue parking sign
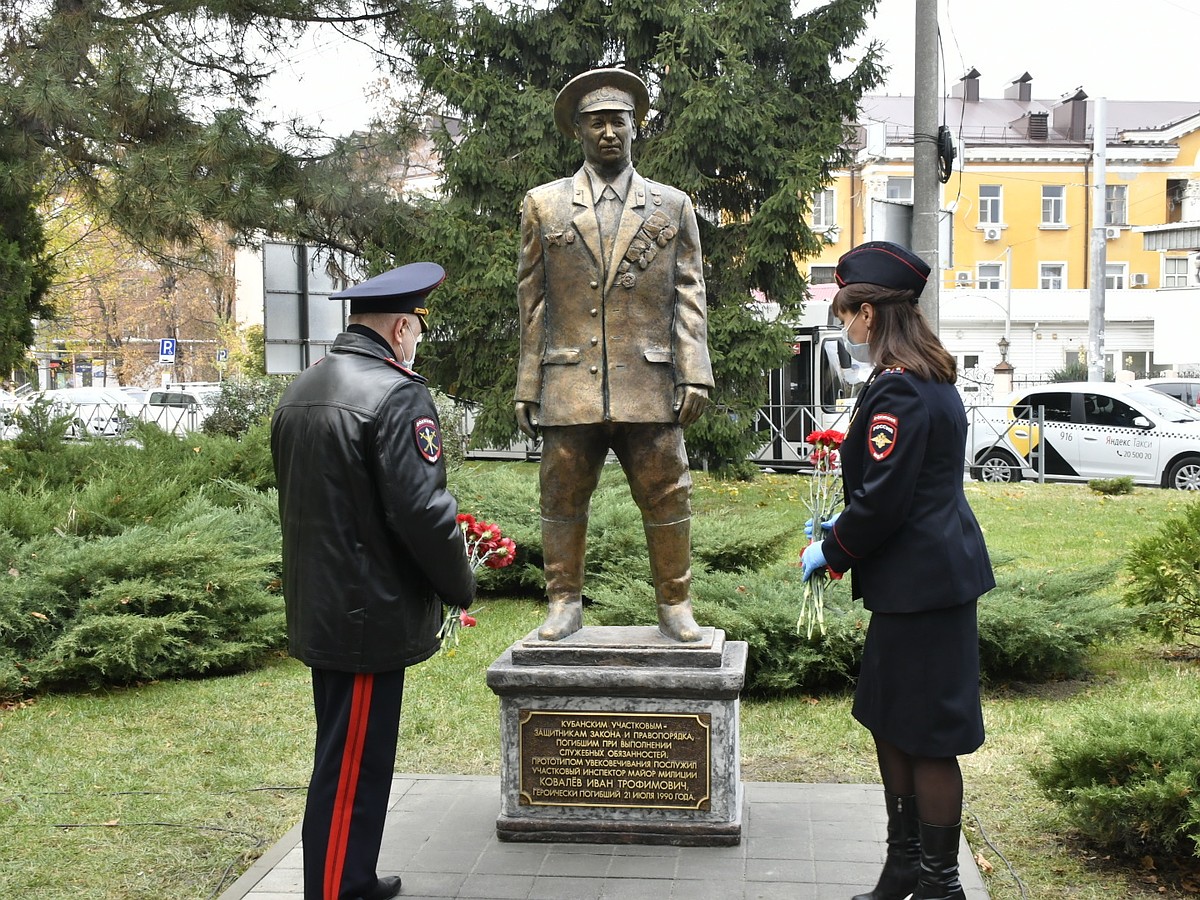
166 350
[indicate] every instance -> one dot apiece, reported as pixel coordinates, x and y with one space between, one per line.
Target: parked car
180 410
1184 389
1090 430
94 411
10 405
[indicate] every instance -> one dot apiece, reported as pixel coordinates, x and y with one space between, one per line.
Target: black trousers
358 720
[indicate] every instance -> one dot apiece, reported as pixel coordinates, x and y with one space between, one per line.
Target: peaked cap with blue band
400 290
885 264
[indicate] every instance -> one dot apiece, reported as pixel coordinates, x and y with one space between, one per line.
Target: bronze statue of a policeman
614 351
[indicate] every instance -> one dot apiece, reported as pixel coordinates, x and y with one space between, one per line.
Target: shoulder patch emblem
881 436
894 370
429 439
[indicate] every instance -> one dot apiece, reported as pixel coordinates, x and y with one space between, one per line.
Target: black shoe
939 863
385 889
903 863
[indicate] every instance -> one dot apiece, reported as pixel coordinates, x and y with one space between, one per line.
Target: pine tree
145 114
747 116
25 269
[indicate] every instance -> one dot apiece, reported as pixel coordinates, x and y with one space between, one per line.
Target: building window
899 188
824 209
990 212
968 373
1054 200
821 275
1052 276
1139 362
989 276
1175 273
1115 276
1116 210
1176 187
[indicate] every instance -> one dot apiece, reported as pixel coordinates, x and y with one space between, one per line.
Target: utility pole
926 187
1099 248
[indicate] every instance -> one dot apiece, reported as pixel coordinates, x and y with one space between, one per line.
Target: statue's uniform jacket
609 346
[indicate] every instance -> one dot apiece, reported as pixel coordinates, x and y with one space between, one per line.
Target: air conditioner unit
963 278
1111 233
991 233
1139 279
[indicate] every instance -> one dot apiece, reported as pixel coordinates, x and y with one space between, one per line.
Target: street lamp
1002 374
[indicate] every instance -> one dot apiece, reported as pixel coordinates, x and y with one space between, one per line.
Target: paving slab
799 842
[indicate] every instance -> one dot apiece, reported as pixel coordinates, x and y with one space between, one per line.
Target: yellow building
1019 195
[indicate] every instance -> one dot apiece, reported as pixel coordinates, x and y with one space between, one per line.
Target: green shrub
244 403
507 495
1039 625
194 593
732 540
1164 570
41 428
759 608
1112 486
453 427
1075 371
101 487
1130 778
1033 627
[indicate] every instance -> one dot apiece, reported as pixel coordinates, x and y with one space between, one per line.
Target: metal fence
109 420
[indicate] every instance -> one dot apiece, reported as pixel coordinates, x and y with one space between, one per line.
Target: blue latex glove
812 559
826 526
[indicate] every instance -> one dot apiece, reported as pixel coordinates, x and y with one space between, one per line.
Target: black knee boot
939 863
903 863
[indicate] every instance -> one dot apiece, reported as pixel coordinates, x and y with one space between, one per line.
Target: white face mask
411 361
858 352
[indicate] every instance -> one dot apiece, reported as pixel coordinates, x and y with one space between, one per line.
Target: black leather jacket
370 541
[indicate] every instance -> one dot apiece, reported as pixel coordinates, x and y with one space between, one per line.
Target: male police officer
614 350
370 544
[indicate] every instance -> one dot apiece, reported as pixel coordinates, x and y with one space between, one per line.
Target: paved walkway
799 842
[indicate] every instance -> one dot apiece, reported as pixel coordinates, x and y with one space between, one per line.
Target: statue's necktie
608 214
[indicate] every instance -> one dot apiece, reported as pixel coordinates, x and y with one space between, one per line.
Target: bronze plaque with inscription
655 760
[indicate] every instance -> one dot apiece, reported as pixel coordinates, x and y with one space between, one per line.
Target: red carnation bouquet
487 547
824 499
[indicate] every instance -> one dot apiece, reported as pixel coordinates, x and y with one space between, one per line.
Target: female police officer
918 561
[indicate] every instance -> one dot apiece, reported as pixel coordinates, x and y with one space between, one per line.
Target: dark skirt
919 685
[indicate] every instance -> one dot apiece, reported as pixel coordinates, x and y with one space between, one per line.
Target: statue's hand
527 417
690 402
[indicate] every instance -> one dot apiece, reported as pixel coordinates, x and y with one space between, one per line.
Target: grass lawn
171 789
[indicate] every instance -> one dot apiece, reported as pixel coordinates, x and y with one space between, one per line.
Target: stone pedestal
620 735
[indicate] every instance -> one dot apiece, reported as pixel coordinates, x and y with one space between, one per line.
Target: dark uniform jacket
906 533
611 346
370 540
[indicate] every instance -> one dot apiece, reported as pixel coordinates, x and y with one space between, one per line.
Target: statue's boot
670 549
563 546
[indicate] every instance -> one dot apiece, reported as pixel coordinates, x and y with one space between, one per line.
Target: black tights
936 782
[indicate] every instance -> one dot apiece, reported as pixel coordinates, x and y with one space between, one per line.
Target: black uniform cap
400 290
883 263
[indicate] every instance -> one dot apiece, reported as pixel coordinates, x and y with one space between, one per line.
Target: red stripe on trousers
343 804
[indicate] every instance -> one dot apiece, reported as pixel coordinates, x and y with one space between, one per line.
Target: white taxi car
1090 430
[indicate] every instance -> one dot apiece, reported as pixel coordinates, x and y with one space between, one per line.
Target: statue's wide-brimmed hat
597 90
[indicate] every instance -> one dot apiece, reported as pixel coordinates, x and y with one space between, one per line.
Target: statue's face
607 138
